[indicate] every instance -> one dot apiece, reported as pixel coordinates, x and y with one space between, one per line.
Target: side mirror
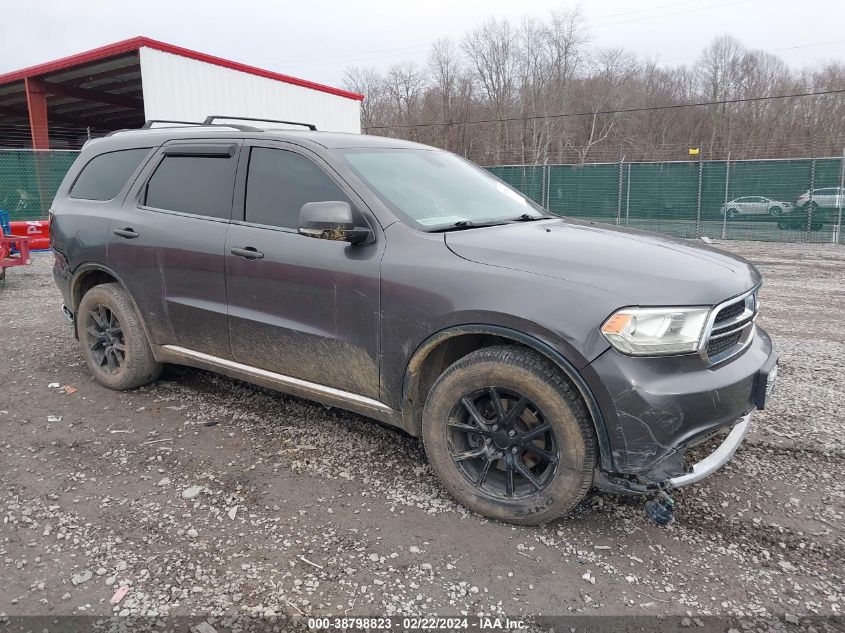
331 221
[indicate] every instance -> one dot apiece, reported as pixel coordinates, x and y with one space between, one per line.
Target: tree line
544 94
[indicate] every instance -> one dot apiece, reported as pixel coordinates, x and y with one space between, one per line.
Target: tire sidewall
105 295
568 486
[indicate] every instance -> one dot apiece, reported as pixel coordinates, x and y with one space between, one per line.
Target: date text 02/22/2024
417 623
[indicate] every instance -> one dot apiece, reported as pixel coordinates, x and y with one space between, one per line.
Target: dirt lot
208 497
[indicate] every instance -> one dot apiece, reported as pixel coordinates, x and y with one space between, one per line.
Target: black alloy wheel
502 443
105 339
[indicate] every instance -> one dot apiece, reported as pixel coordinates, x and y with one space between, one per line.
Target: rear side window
193 184
104 175
280 182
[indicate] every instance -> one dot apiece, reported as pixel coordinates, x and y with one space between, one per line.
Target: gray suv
535 356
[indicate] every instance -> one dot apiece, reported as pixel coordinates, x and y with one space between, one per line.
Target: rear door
167 243
299 306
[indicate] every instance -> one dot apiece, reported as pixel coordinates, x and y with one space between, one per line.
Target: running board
280 382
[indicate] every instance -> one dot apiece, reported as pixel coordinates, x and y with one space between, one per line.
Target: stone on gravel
192 492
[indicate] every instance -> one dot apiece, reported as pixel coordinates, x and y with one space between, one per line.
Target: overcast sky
318 39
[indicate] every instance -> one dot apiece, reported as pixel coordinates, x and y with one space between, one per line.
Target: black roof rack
209 120
148 124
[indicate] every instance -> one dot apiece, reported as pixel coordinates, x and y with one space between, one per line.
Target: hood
640 268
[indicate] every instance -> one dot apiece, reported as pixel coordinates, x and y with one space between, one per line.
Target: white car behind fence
755 205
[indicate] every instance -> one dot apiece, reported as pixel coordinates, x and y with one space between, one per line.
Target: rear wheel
775 211
113 341
509 437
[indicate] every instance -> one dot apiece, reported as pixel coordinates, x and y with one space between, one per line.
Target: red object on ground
7 258
38 232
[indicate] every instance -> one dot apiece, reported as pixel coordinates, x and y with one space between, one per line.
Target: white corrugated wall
181 88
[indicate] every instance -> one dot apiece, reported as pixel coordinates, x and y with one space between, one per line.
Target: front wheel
509 437
113 341
732 213
775 211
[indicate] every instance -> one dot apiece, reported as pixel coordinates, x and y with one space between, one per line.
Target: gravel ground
210 498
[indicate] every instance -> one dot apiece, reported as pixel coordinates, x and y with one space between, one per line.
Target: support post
727 189
619 188
840 199
812 189
698 197
546 182
628 197
36 103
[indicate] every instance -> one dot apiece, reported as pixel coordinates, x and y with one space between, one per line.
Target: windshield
434 190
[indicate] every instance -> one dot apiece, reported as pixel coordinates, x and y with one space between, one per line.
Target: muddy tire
509 437
113 341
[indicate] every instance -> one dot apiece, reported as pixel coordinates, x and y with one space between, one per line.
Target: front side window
434 189
105 175
279 182
202 185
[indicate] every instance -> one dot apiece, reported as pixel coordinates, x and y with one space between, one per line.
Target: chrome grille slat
730 328
728 332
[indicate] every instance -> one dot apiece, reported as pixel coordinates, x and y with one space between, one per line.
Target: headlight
656 331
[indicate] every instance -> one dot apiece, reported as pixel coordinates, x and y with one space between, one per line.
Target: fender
90 267
569 370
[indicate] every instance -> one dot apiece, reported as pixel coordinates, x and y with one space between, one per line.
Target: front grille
730 312
731 329
718 345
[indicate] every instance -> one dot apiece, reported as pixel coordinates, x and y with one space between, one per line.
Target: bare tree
605 90
368 82
491 48
513 93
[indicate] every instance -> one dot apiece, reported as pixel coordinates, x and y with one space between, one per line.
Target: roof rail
209 120
148 125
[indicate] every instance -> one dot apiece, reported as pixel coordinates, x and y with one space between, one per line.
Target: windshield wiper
467 224
527 217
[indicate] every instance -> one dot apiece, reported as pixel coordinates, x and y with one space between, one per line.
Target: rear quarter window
104 176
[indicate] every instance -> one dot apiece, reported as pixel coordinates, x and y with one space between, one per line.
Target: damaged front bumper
657 408
718 458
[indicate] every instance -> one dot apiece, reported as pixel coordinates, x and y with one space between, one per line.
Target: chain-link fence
783 200
28 180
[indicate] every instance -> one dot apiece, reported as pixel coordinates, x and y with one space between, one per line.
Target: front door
299 306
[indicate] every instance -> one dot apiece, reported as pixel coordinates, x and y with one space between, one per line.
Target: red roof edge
135 43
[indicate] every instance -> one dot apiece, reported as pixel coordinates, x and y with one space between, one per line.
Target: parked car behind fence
756 206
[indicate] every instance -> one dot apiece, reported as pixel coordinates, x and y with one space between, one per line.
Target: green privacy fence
28 180
746 200
686 199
